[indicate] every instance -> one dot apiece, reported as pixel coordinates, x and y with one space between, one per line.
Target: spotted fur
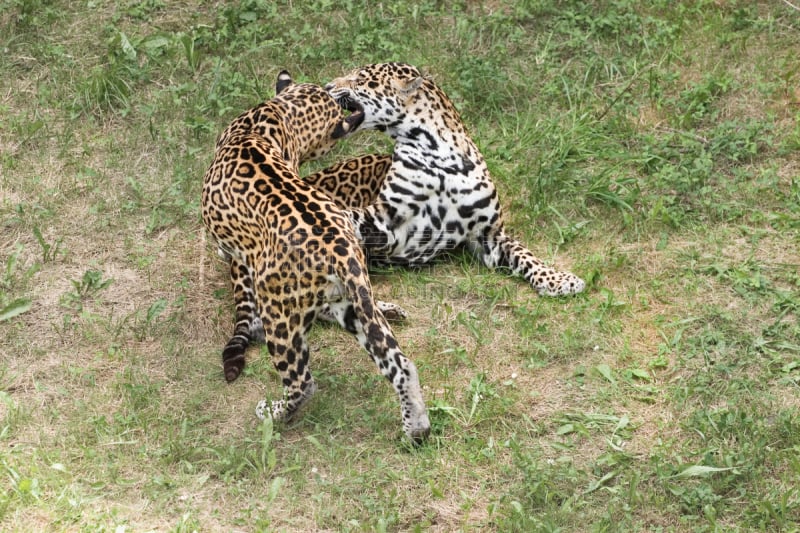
293 254
437 193
354 182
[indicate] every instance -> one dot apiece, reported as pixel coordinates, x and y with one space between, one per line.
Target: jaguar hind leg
279 410
500 250
393 312
288 347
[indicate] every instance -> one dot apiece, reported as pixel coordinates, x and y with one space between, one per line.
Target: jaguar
293 253
435 192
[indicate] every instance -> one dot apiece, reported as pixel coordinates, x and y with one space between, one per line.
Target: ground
651 148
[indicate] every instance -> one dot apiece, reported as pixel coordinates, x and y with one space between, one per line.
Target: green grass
651 147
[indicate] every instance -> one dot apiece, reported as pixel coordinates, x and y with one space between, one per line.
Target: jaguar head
381 92
315 117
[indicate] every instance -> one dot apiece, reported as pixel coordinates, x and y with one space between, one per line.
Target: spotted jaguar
293 253
437 193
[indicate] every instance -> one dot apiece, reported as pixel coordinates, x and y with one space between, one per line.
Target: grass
650 147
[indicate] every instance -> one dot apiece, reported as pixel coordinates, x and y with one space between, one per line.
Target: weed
49 251
14 308
11 303
88 286
106 88
253 456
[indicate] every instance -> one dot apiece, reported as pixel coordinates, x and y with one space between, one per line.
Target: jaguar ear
349 124
284 80
409 86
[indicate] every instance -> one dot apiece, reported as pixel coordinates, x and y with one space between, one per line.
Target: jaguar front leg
353 183
375 335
